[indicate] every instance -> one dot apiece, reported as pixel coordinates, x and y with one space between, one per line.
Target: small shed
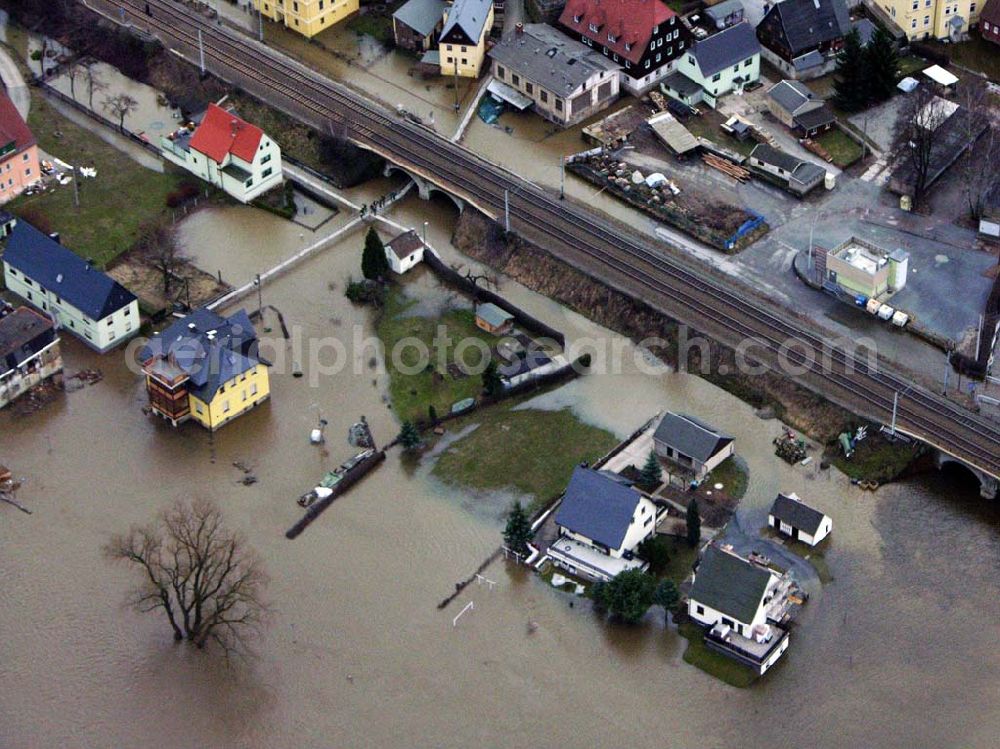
792 517
404 251
944 80
673 133
493 319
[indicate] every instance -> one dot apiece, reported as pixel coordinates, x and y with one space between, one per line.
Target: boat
328 483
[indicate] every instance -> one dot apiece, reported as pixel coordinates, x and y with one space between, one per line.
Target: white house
228 152
792 517
691 444
404 251
602 520
29 351
724 62
740 603
67 288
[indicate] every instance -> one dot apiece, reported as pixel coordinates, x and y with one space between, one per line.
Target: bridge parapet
424 187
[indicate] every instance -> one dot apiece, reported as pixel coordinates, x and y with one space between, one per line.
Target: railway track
636 267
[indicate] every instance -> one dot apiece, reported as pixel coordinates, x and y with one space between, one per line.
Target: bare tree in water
94 82
120 106
157 244
201 576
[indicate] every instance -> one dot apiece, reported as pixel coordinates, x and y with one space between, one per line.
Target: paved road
13 81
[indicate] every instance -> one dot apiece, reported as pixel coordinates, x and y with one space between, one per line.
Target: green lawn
875 459
112 207
412 394
975 54
716 664
844 150
682 558
530 451
732 474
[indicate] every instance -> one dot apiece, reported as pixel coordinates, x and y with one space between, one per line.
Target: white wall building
792 517
404 251
227 151
81 299
691 444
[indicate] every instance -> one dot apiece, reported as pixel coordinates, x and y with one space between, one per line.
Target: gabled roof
492 314
690 436
598 507
23 333
721 11
469 17
790 95
865 29
799 169
208 348
809 23
814 118
13 128
730 584
990 12
631 22
726 48
422 16
222 132
64 273
793 511
550 59
405 244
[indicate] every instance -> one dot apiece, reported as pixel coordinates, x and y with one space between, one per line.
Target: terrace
746 650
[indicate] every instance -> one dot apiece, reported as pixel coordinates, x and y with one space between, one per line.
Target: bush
365 292
656 551
627 596
185 191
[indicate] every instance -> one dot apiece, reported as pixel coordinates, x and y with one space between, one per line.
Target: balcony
750 652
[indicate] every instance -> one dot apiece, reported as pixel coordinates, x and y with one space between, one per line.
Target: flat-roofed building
860 267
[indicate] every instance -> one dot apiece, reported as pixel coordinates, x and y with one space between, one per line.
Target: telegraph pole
260 296
506 210
562 178
260 19
201 53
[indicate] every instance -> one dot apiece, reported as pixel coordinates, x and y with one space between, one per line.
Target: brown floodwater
898 651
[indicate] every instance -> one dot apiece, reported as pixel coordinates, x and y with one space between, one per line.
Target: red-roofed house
989 21
18 152
645 37
228 152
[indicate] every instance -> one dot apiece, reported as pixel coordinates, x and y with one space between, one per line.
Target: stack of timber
736 172
659 100
817 149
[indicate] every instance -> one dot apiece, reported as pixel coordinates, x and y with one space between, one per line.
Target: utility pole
260 19
457 107
506 210
947 370
76 191
201 52
260 297
562 178
895 408
979 336
425 235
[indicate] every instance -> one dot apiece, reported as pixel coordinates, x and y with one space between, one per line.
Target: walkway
13 81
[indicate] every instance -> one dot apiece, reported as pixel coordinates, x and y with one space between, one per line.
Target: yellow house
308 17
204 367
924 19
462 44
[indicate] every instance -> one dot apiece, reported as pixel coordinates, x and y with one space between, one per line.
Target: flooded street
898 651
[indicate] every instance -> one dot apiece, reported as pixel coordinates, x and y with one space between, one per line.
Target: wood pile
659 100
817 149
736 172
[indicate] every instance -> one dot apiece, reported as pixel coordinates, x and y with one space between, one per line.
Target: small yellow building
926 19
462 44
205 367
307 17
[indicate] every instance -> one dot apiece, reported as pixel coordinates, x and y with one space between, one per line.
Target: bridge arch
425 188
988 485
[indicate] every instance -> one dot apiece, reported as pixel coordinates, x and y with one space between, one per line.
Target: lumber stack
659 100
726 167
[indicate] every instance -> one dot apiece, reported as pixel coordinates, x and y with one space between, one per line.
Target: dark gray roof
690 436
598 507
469 16
421 15
681 84
810 59
555 62
210 349
797 514
725 49
816 117
64 273
790 95
721 11
23 333
809 23
865 29
492 314
729 584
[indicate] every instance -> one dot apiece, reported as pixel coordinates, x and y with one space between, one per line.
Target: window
927 20
616 57
913 23
515 79
248 182
529 88
464 50
197 407
23 158
716 77
612 38
577 19
691 59
916 4
295 7
658 56
266 173
972 8
677 33
656 30
947 11
748 62
736 68
544 95
647 64
89 336
680 44
27 172
128 310
628 47
111 321
448 47
559 105
500 72
927 3
701 610
253 389
465 60
13 272
265 159
225 407
244 396
592 27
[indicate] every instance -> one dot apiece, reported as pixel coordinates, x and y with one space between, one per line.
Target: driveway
13 81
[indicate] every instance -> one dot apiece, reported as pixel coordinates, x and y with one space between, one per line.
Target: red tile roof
12 127
629 21
222 132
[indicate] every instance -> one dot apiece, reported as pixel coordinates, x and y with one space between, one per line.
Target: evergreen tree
666 595
656 552
849 79
374 263
492 383
408 437
651 474
693 523
628 595
881 65
518 533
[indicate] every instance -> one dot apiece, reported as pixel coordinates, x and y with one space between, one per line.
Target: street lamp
895 408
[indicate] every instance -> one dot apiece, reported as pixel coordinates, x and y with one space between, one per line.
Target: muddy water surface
898 651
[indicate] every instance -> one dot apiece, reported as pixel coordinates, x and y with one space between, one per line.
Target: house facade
725 14
19 166
416 24
802 37
741 605
462 44
860 267
404 251
930 19
797 176
792 517
724 62
307 17
29 351
602 519
645 37
989 21
205 367
692 445
796 106
566 81
228 152
83 300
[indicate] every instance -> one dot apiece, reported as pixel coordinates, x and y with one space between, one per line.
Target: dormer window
612 38
593 27
577 19
628 47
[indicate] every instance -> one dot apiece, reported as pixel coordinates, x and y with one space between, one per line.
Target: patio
580 559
